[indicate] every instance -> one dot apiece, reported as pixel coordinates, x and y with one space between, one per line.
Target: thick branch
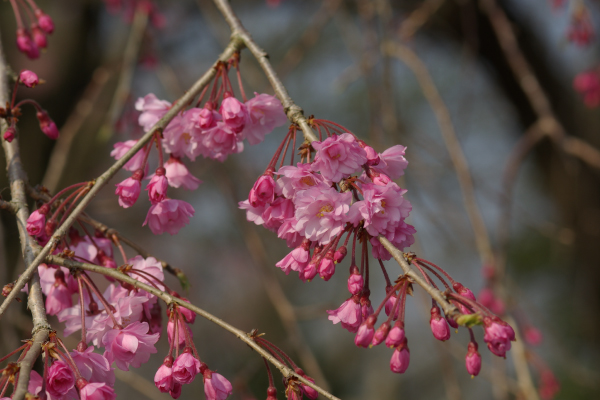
167 298
234 46
18 181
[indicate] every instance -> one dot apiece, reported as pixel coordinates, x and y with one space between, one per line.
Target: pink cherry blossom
129 190
396 336
265 114
180 340
58 297
131 345
163 379
365 333
37 222
44 21
234 112
338 156
321 213
26 45
60 379
152 110
294 179
263 191
340 254
216 386
93 367
465 292
39 37
157 187
28 78
97 391
533 336
136 162
253 214
349 314
186 313
392 162
178 175
288 232
401 237
168 216
473 359
310 271
207 117
438 324
296 260
279 211
221 141
182 137
498 335
389 305
355 283
400 359
186 367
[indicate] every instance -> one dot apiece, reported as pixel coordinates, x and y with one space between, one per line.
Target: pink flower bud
533 336
340 254
47 125
188 315
498 335
157 187
465 292
26 45
438 324
307 390
234 112
400 359
380 334
9 134
37 221
28 78
396 335
549 385
365 305
178 175
327 266
365 333
390 303
309 272
355 282
129 190
44 21
473 359
263 191
39 37
451 322
216 386
185 367
60 379
378 178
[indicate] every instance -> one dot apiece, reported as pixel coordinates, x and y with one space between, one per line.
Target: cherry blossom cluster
214 131
12 112
31 41
347 189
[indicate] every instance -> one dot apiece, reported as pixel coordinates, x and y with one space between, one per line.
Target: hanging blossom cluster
213 131
123 321
32 40
346 192
12 112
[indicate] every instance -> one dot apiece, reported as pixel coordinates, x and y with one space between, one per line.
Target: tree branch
168 299
234 45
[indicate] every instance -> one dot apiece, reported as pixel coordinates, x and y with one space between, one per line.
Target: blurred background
426 74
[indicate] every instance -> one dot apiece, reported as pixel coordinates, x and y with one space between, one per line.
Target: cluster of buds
214 131
31 41
12 112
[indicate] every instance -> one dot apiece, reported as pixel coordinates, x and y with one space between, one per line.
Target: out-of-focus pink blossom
234 112
338 156
157 187
152 110
533 336
549 385
216 386
581 30
39 36
60 379
321 213
28 78
9 134
349 314
588 84
178 175
400 359
136 162
26 45
168 216
131 345
186 367
47 125
473 359
265 114
498 335
44 21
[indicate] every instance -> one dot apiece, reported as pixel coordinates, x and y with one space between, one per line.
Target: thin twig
234 46
418 18
35 301
168 299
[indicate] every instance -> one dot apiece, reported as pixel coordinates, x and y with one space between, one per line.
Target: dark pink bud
39 37
26 45
396 335
365 333
533 336
355 282
498 335
451 322
372 156
185 367
272 393
473 359
28 78
378 178
327 266
439 326
188 315
44 21
263 191
128 191
309 272
380 334
400 359
157 187
9 134
47 125
37 221
308 391
340 254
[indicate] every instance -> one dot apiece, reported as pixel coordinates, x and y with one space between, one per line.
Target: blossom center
308 180
327 208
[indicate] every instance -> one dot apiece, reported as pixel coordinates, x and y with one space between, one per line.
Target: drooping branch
234 45
169 299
